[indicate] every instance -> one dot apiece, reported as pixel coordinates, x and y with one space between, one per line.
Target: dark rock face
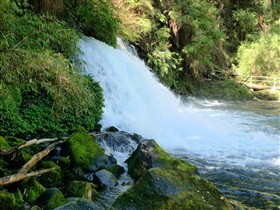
150 155
119 141
164 182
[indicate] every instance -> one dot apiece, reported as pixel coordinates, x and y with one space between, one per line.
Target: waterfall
136 102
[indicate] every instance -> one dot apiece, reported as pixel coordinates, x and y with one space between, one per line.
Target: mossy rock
7 201
64 163
32 190
150 155
53 178
83 150
161 188
115 169
82 189
51 199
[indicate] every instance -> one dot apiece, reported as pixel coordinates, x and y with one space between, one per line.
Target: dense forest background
187 43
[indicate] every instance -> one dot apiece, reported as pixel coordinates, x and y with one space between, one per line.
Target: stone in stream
164 182
106 178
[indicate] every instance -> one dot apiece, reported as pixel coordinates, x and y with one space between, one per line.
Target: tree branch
36 158
26 144
6 180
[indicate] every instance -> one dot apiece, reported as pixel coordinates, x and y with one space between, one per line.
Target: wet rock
150 155
112 129
82 189
161 188
106 178
164 182
119 141
104 161
116 169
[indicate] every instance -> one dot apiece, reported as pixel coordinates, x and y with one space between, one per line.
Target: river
235 145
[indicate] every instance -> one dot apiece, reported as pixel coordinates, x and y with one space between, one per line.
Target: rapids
213 135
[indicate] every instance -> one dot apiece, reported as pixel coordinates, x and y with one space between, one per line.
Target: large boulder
83 150
150 155
164 182
161 188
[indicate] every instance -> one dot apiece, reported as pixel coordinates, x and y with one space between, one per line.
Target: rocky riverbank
81 171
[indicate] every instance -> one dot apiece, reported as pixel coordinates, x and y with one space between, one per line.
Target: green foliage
260 57
7 200
224 90
245 22
40 89
96 18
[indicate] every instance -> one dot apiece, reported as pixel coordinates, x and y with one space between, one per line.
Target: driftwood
26 144
255 86
6 180
36 158
23 171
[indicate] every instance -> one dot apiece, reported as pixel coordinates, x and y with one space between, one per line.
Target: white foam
136 102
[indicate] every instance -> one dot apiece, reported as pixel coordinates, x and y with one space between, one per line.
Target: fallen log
26 144
23 171
6 180
255 86
36 158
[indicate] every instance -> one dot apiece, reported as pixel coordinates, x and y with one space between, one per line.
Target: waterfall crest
136 102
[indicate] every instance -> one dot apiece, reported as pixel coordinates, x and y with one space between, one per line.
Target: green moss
82 189
64 163
53 178
170 189
19 197
32 190
7 201
83 150
150 155
51 199
4 144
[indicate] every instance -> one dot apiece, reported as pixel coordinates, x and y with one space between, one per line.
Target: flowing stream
233 145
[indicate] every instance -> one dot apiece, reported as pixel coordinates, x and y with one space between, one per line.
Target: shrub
41 90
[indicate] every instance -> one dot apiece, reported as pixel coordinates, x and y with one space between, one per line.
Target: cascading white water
136 102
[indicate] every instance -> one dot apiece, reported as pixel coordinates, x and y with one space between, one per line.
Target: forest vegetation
186 43
195 47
